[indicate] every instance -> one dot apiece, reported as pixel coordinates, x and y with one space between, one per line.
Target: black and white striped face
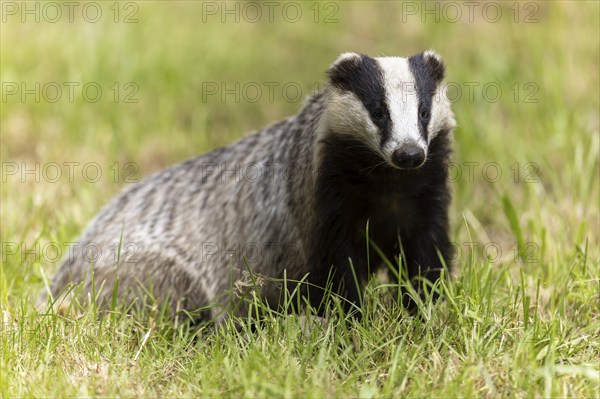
396 105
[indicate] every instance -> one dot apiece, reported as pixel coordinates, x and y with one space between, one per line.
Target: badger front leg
427 252
342 267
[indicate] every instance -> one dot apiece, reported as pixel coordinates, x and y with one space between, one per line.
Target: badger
362 165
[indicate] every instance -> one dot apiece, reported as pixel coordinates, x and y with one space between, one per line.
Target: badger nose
408 156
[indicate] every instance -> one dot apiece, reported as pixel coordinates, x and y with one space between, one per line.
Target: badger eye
424 114
378 114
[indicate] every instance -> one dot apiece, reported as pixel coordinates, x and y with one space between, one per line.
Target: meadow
97 95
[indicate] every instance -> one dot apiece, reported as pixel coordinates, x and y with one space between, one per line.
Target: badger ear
435 65
343 67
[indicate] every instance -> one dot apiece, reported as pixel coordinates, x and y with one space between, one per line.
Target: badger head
396 106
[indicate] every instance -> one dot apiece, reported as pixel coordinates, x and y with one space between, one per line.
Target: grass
521 316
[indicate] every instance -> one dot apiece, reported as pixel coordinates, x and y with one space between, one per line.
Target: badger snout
409 156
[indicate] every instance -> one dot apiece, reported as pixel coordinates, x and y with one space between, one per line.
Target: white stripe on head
403 104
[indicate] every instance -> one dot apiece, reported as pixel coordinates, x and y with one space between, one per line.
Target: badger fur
371 148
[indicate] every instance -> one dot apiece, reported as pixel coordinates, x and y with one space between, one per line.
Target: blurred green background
523 79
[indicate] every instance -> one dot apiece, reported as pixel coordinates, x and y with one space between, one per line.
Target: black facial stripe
365 79
428 74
